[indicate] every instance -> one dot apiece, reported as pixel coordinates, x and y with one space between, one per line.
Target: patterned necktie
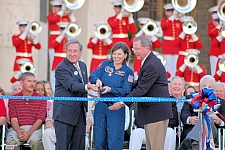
79 71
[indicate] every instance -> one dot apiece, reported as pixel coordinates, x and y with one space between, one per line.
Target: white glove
219 37
94 40
172 18
194 37
219 72
61 36
108 41
182 68
35 40
198 69
25 32
182 35
218 26
61 12
72 17
131 19
139 33
119 16
18 74
153 38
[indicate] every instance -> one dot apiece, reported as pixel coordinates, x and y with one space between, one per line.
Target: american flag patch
130 78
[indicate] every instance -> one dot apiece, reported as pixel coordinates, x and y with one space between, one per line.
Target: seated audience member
191 121
89 123
2 108
219 90
47 87
40 88
26 116
189 89
16 87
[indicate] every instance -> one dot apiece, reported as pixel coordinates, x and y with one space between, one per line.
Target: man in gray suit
69 116
152 82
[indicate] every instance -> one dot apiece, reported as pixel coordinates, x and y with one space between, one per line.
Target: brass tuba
191 60
27 67
35 28
102 31
150 28
221 10
132 5
73 30
74 4
222 64
184 9
190 27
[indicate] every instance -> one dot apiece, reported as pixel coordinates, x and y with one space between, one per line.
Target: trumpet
27 67
74 4
132 5
221 10
73 30
184 9
35 28
190 27
150 28
102 31
222 64
191 60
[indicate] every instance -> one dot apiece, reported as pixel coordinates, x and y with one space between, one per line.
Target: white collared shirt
144 59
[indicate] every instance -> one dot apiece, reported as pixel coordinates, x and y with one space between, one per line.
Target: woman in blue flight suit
115 79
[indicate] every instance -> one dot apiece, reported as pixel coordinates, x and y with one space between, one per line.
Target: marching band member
191 75
100 49
185 42
155 44
23 43
60 50
57 15
214 50
121 24
219 42
171 30
212 10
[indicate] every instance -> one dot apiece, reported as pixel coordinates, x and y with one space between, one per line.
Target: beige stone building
36 10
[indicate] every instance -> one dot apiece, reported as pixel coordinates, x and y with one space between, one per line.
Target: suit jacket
68 83
152 82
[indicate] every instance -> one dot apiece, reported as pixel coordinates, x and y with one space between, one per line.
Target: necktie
79 71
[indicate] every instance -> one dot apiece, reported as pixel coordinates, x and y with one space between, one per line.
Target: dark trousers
70 137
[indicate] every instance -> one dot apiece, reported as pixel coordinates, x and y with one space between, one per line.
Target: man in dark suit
152 82
69 116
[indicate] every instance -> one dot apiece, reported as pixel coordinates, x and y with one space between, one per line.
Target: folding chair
221 139
3 137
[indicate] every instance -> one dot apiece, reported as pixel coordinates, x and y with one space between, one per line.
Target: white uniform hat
193 51
116 2
22 61
213 9
215 17
99 23
186 18
143 20
22 22
56 3
63 24
168 6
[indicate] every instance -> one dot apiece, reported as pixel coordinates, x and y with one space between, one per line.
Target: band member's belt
24 54
120 36
60 55
193 83
183 53
169 38
100 56
54 33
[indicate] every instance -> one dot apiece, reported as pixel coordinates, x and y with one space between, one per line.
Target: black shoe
185 145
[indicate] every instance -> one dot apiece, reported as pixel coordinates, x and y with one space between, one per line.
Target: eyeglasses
136 49
40 89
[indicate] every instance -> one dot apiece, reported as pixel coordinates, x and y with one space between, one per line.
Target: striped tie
79 71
